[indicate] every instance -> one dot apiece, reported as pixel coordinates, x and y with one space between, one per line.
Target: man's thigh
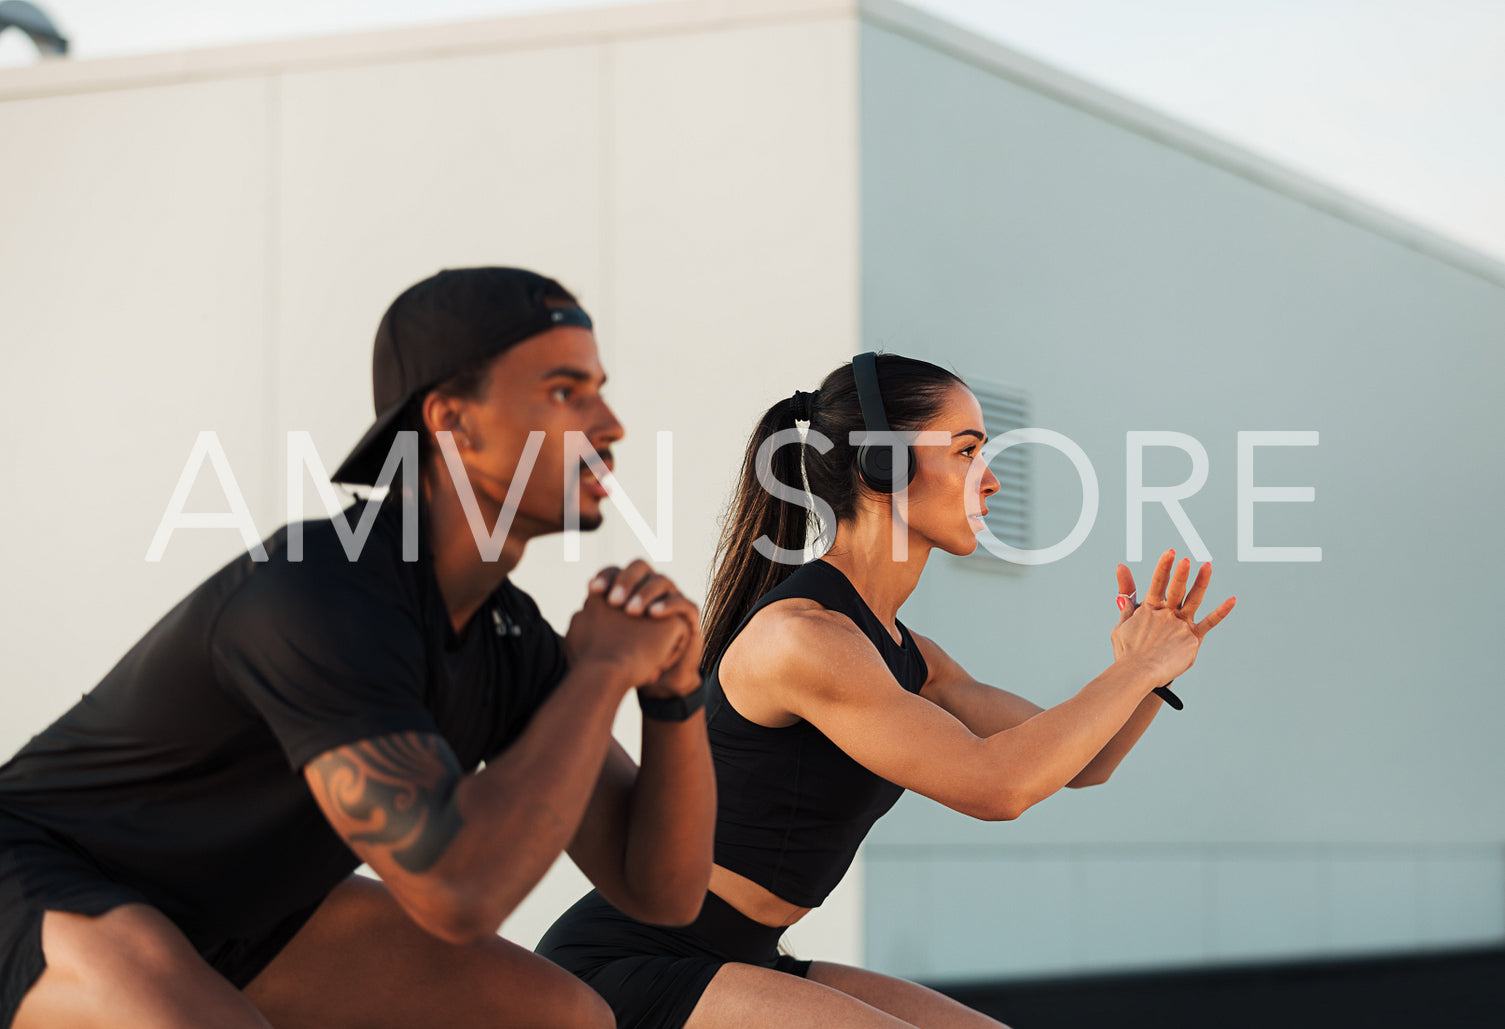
129 968
360 960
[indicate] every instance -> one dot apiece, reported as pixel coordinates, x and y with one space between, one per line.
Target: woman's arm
819 667
986 710
1108 760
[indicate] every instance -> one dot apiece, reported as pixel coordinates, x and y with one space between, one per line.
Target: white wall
1329 788
133 258
208 241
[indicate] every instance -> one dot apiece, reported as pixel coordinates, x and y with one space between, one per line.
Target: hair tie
802 404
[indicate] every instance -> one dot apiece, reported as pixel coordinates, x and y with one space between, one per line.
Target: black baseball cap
437 329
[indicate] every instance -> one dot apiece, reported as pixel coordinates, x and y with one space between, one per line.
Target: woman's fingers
1160 579
1126 600
1198 591
1211 621
1176 591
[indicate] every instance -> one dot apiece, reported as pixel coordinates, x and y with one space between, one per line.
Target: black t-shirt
179 775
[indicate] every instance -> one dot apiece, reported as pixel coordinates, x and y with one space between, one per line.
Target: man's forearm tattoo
394 791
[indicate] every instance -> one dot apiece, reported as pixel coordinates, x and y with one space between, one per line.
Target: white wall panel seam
274 453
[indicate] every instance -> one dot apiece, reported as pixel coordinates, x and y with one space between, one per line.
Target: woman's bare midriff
753 900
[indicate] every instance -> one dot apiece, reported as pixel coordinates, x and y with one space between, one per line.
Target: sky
1398 102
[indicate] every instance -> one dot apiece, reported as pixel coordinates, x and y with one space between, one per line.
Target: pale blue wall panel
1375 902
1350 708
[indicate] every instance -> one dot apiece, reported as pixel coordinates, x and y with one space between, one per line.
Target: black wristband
672 709
1165 694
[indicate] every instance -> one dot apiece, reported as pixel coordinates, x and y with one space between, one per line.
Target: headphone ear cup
875 464
875 467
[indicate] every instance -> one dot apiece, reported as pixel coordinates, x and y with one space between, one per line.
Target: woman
822 708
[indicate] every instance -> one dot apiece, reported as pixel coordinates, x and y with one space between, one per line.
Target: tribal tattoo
394 791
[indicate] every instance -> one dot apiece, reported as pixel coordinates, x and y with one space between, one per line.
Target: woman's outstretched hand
1167 595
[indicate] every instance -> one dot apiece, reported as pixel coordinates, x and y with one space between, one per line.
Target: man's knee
131 940
542 997
128 967
551 998
581 1007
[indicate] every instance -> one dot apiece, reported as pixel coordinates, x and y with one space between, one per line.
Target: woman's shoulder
794 623
796 642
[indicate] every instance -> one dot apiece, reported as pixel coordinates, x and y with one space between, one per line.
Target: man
178 849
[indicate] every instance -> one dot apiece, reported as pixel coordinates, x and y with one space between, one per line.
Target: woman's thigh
360 960
911 1002
750 997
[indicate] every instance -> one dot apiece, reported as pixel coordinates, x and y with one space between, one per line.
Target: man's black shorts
40 872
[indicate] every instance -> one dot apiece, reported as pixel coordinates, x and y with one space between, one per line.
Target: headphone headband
875 461
869 396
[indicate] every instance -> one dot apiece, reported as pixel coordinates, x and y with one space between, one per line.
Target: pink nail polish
1121 603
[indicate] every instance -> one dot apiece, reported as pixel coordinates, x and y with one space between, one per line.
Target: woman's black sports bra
792 807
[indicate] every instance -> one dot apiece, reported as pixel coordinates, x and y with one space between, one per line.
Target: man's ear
445 414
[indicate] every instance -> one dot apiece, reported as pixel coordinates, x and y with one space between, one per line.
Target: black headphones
875 462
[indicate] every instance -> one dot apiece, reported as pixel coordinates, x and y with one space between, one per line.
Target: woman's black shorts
39 872
653 976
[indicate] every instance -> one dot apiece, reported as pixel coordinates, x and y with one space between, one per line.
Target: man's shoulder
317 575
355 536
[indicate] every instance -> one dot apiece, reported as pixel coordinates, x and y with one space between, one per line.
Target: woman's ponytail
742 572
